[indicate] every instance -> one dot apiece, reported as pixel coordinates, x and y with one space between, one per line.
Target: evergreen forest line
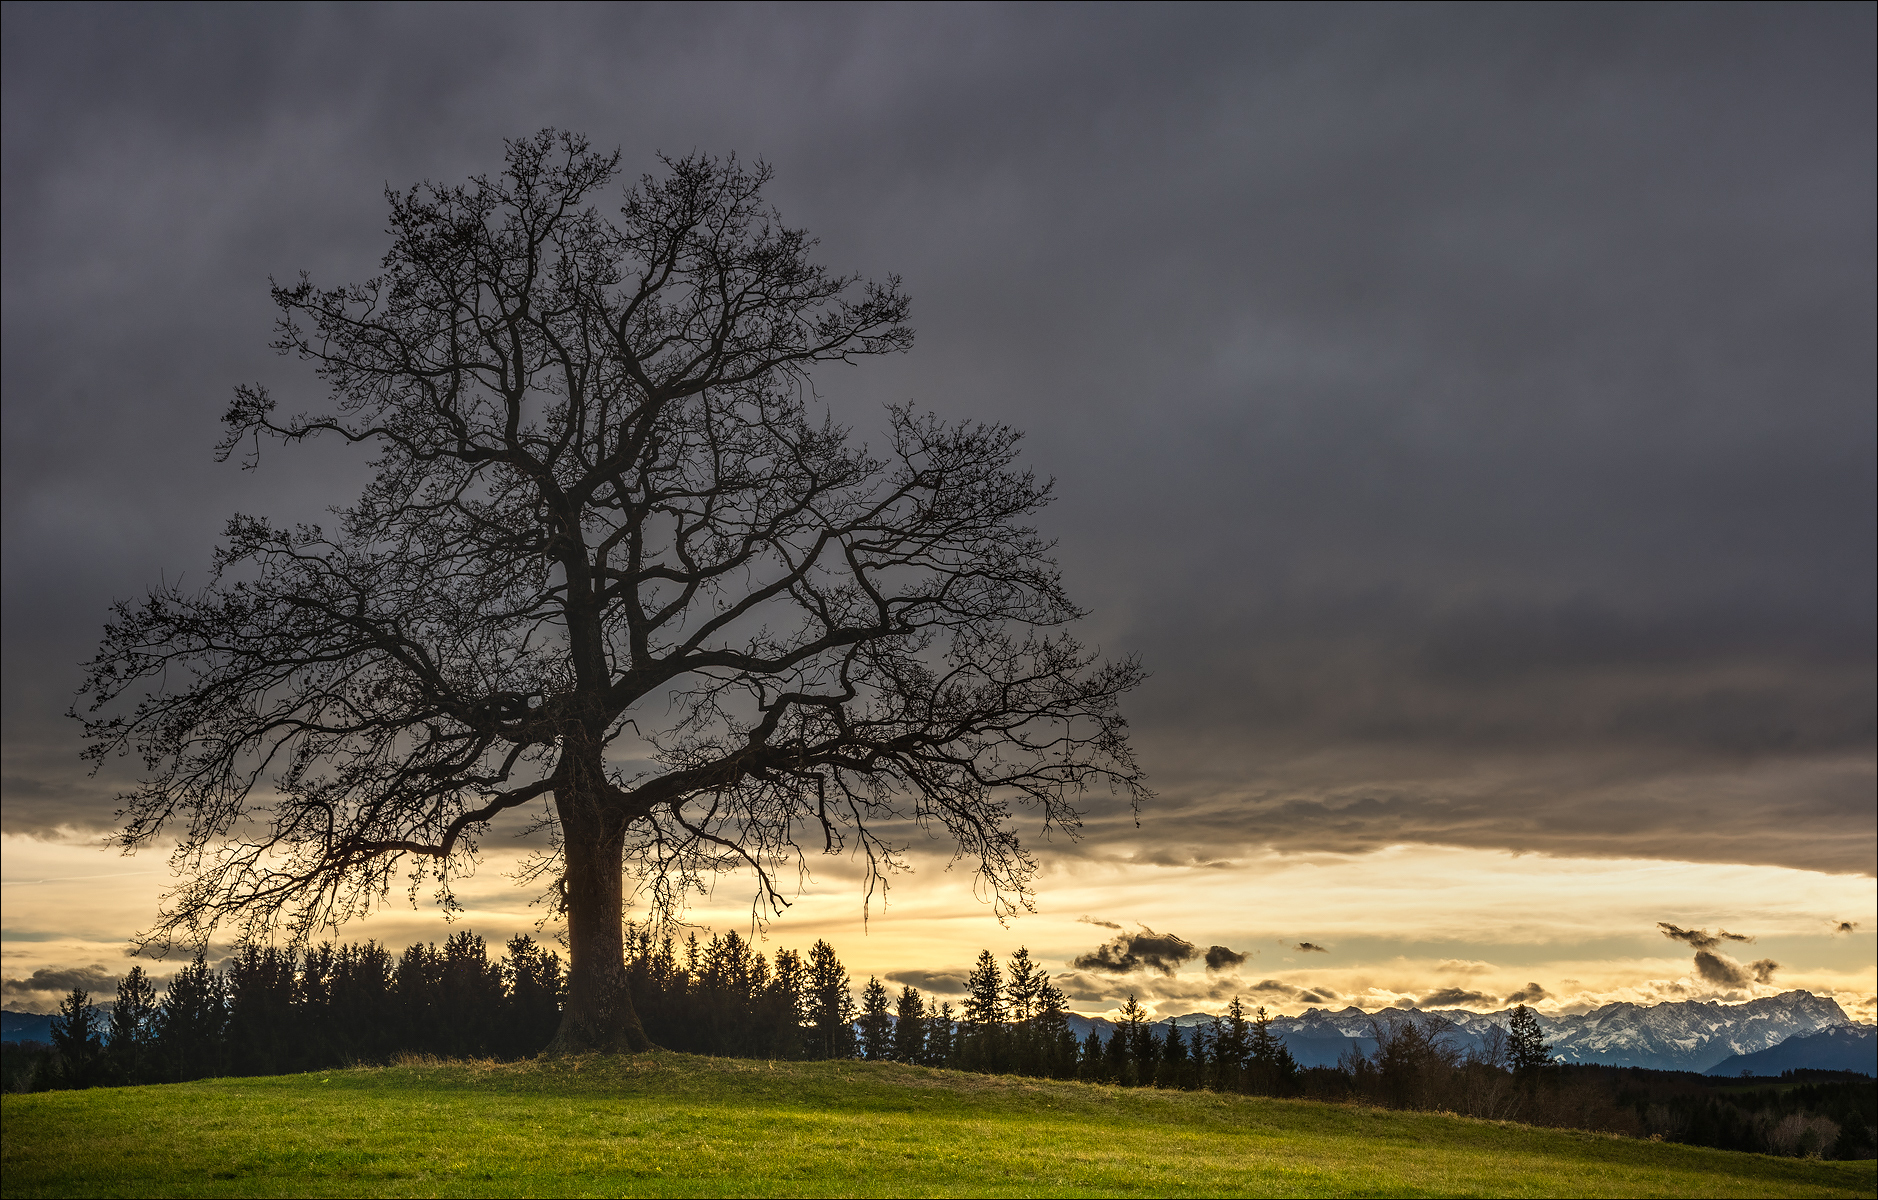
271 1011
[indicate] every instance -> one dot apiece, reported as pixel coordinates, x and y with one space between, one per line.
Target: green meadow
675 1125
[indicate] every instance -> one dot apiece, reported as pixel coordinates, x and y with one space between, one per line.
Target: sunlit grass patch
667 1124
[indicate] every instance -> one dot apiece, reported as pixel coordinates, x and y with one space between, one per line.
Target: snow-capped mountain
1686 1035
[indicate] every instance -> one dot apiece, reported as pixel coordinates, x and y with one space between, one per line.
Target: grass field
673 1125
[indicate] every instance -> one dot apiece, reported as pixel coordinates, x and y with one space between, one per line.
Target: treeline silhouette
270 1011
1417 1064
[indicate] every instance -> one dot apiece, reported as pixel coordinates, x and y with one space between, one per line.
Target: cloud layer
1466 416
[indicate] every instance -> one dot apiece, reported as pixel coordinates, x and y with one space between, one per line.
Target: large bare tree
612 580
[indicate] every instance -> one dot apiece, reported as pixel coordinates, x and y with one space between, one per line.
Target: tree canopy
615 582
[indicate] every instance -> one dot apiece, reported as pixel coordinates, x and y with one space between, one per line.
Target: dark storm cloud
1278 988
1466 413
1701 939
1532 993
1726 972
94 979
948 983
1311 948
1219 958
1718 968
1125 952
1453 997
1846 927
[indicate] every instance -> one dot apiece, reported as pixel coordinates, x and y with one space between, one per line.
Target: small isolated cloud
949 983
1845 927
1452 997
1532 993
1463 966
1126 952
1723 971
1701 939
1086 920
1311 948
1310 995
94 979
1218 958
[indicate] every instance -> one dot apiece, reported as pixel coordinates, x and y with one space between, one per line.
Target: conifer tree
941 1030
1057 1044
876 1022
1173 1071
1231 1046
364 1019
132 1029
982 1022
417 984
909 1027
1526 1047
313 1005
1024 985
1139 1046
469 997
1093 1066
75 1036
831 1005
532 1000
262 1034
1272 1070
193 1023
788 1005
1117 1062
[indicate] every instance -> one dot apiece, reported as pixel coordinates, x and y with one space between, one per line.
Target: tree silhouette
613 581
1526 1047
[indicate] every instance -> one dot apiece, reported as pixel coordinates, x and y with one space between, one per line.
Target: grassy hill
674 1125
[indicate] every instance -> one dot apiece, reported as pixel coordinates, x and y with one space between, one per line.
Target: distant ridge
1681 1035
1842 1048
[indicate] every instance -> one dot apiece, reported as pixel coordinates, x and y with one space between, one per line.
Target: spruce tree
417 984
1093 1063
469 998
1139 1046
831 1005
1174 1066
532 998
1231 1048
982 1022
132 1029
193 1023
1526 1047
364 1018
876 1021
1057 1045
941 1034
1272 1070
262 1034
76 1039
909 1027
313 1006
789 1005
1025 983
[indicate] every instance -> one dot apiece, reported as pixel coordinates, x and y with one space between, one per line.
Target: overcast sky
1466 412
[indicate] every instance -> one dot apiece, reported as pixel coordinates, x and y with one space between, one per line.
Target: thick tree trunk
598 1013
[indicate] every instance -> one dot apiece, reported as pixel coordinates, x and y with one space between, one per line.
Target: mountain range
1686 1035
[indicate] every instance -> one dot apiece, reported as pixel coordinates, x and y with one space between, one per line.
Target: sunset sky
1466 414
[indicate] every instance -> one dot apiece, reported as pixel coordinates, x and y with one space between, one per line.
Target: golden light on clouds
1404 924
